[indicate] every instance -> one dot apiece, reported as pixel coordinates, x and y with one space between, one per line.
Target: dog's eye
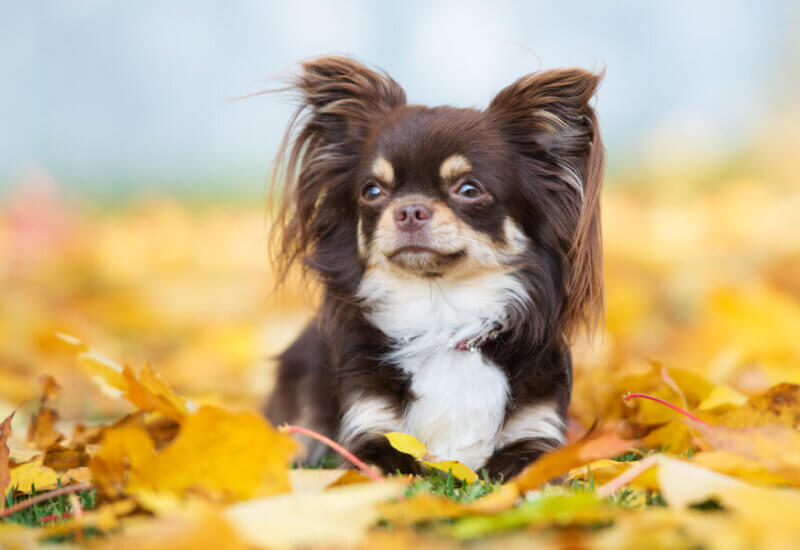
469 189
372 192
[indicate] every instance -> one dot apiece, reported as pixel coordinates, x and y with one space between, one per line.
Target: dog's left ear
547 118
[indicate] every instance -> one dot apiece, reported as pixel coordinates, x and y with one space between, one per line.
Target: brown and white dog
458 250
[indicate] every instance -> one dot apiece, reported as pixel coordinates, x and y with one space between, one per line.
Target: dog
458 251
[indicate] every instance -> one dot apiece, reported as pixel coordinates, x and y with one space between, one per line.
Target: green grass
328 461
446 485
51 510
33 515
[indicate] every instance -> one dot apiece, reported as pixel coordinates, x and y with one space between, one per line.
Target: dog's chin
424 261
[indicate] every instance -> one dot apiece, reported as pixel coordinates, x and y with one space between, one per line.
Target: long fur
382 352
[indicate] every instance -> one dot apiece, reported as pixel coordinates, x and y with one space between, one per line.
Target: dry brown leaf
63 458
5 458
50 388
42 431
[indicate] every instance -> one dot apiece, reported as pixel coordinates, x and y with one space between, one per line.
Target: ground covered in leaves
133 346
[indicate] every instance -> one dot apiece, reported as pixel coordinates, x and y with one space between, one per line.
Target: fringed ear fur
547 117
339 98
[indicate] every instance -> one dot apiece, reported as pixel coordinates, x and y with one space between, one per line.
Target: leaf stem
43 497
357 462
687 414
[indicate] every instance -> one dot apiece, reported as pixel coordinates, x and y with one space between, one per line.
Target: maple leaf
238 455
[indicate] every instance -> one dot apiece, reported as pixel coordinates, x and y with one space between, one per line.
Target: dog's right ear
339 99
344 96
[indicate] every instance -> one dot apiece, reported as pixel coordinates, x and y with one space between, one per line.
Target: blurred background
133 210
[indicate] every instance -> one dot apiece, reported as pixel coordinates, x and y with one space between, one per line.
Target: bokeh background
133 209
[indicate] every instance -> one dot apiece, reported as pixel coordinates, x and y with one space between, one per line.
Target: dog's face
438 193
430 198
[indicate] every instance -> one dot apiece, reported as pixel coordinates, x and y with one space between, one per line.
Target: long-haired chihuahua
458 250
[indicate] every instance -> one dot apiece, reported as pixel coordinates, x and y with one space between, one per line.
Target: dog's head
445 193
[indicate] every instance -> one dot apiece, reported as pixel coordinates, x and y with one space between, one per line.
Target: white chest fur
460 397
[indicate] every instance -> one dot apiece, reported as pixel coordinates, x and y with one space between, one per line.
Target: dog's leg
528 432
361 429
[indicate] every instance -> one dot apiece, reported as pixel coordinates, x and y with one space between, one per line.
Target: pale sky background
109 96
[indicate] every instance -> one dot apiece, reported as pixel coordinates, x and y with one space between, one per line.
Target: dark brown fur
536 141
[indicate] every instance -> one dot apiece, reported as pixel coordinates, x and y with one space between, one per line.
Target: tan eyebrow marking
383 170
454 166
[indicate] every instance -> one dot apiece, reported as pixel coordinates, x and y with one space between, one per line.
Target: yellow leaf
43 478
348 477
602 444
204 531
337 518
722 395
237 455
459 470
683 483
407 444
125 456
149 393
313 480
741 467
429 507
143 389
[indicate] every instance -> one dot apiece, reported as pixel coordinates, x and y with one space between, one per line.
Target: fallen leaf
50 388
236 454
603 444
407 444
741 467
341 516
62 458
779 405
5 458
720 396
149 393
683 483
429 507
454 467
556 509
313 481
410 445
143 389
35 474
208 531
777 448
349 477
42 432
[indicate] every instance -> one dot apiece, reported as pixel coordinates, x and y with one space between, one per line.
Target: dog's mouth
422 258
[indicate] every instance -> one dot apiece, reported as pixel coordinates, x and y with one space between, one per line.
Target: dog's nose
412 217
